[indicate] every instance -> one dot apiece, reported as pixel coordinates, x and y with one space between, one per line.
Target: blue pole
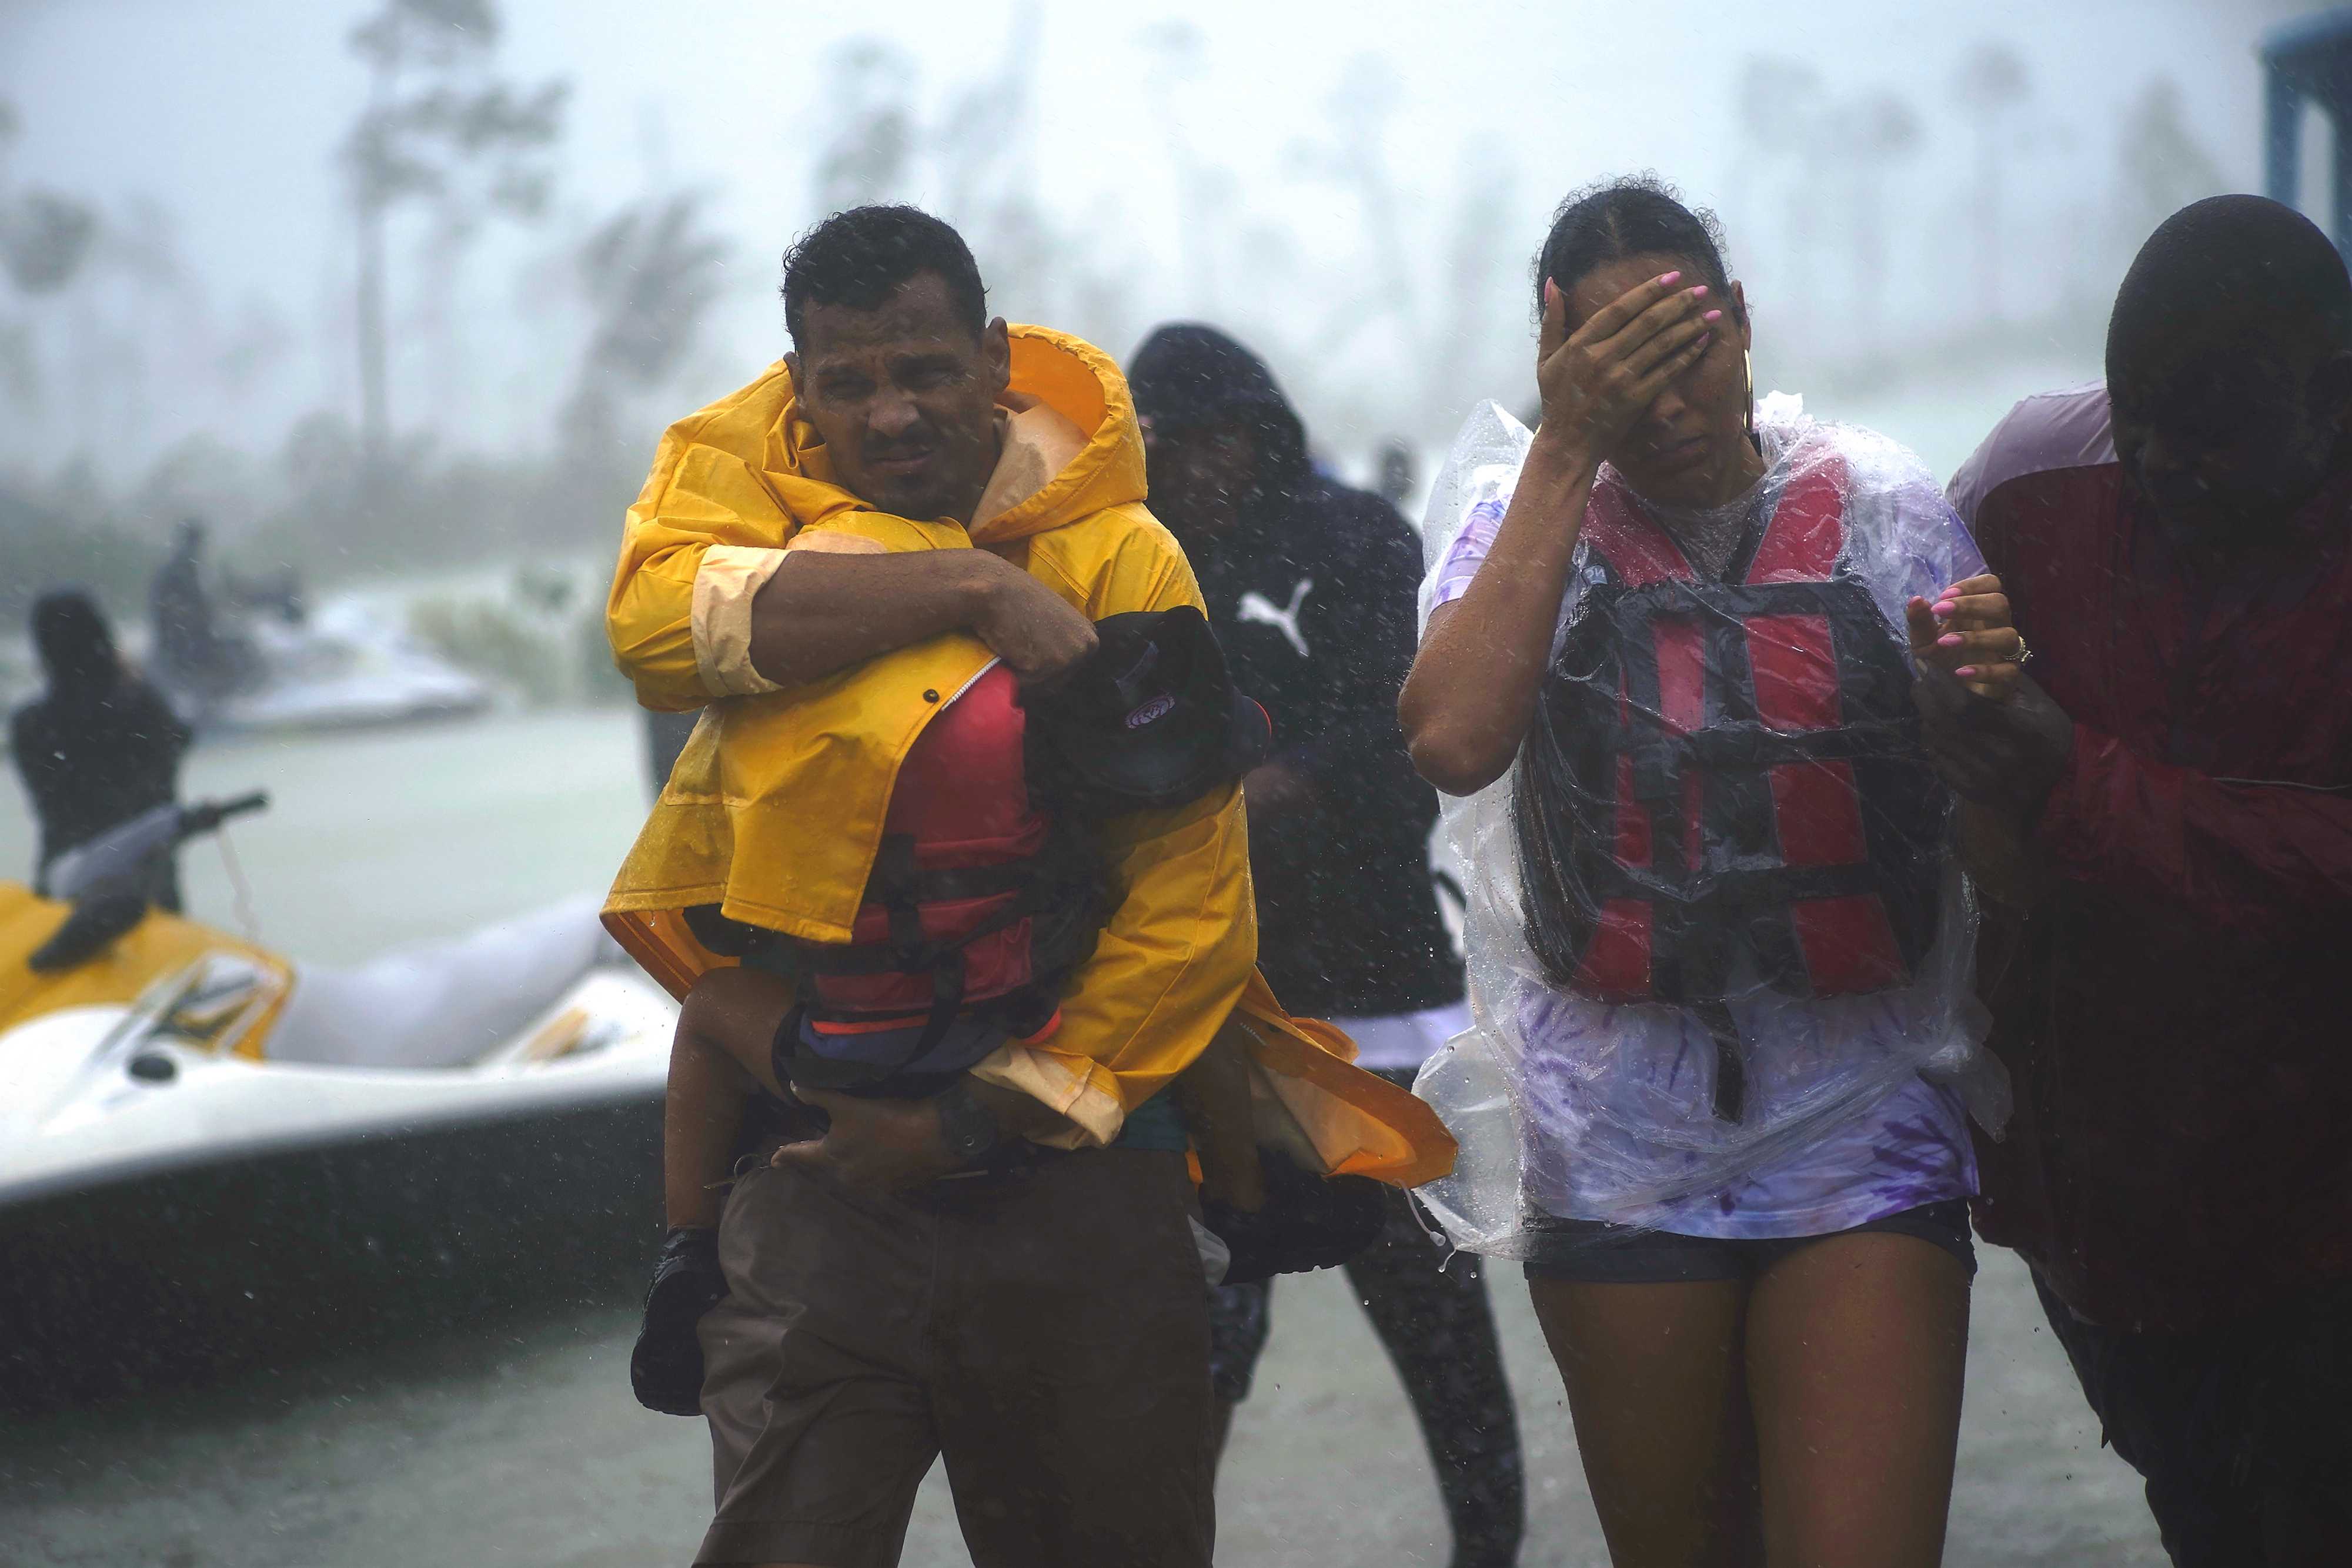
2283 144
2339 121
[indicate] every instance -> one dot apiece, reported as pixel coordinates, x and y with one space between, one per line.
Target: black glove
666 1367
1308 1222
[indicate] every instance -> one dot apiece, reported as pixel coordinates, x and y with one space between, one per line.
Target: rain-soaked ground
514 1440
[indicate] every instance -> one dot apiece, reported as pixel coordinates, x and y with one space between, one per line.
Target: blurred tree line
442 147
1388 301
2029 241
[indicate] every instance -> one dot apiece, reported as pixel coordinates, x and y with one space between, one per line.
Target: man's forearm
1017 1113
822 611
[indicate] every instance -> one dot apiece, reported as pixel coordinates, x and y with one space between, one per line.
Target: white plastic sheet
1568 1106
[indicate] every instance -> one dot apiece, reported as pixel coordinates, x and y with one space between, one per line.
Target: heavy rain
1544 784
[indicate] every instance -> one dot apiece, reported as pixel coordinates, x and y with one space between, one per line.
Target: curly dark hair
1632 215
861 257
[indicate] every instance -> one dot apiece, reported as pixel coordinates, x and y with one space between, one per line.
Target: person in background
2164 817
1728 980
100 746
186 645
1309 586
1396 480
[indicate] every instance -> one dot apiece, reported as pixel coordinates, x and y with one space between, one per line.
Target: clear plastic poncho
1567 1106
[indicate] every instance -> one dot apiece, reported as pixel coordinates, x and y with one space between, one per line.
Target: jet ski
344 668
208 1151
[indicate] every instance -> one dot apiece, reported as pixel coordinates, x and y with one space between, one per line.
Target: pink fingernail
1698 293
1953 640
1668 279
1966 672
1712 316
1945 607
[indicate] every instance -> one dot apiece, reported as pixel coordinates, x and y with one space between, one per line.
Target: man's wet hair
2225 273
1633 214
862 256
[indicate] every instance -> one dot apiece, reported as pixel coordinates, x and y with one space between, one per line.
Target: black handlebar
205 815
111 898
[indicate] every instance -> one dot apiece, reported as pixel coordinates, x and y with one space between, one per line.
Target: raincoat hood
1071 446
745 481
1187 373
76 650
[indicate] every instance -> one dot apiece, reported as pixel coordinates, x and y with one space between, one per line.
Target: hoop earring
1748 359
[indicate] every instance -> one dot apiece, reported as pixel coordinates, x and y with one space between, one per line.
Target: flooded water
515 1441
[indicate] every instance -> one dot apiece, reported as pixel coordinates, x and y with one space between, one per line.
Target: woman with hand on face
1720 948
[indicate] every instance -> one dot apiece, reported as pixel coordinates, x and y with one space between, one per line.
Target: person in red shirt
2162 822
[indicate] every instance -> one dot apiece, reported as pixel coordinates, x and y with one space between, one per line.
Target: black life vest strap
1055 880
1730 1059
1038 893
1061 888
1747 744
953 884
1765 887
1732 600
892 885
1657 768
1608 676
1737 740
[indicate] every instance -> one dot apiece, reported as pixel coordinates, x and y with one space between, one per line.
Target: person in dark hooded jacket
1310 585
100 747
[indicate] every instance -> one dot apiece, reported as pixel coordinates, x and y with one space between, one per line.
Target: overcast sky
227 114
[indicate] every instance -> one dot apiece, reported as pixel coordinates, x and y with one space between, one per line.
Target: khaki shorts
1043 1329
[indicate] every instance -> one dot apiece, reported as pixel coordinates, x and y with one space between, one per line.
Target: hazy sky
228 113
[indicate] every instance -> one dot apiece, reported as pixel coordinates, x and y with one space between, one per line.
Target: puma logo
1256 606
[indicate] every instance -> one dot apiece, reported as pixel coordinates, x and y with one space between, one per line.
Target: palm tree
1992 84
651 275
437 128
1877 132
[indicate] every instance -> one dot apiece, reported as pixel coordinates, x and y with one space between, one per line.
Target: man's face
2225 442
905 397
1200 475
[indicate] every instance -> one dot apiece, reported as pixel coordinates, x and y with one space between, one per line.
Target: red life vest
1728 768
979 905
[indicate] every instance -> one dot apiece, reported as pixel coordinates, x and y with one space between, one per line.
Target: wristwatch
969 1128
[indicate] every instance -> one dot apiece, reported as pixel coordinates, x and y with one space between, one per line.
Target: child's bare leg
718 1060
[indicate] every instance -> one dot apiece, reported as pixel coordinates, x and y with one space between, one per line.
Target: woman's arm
1472 691
1994 854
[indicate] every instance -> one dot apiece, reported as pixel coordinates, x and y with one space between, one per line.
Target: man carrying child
860 565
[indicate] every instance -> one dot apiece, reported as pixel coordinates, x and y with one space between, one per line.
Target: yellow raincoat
775 809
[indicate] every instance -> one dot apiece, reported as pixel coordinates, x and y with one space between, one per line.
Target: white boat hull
169 1207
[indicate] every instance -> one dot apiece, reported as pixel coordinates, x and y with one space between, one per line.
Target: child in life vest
985 896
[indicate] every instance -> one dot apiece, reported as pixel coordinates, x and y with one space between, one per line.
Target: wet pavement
516 1443
513 1440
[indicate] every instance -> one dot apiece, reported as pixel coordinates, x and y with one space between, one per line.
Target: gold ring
2024 654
